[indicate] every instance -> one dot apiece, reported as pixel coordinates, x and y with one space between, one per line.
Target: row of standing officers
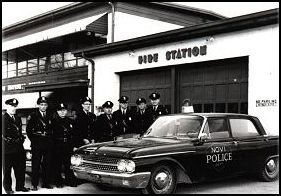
54 136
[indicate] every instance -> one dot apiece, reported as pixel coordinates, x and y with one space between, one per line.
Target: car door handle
235 143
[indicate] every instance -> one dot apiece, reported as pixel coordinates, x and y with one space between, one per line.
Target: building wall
261 45
129 26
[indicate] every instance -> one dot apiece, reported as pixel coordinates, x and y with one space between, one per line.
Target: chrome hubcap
161 180
271 166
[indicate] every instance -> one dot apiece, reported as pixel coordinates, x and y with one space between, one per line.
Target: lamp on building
210 39
131 53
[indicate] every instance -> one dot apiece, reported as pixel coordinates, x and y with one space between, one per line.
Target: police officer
40 133
105 124
13 151
123 117
63 146
85 124
156 109
142 117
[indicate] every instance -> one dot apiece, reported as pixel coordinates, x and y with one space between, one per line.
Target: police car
182 148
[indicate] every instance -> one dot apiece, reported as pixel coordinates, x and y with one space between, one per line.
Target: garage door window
242 128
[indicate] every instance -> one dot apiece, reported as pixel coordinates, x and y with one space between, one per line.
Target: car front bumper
134 180
28 168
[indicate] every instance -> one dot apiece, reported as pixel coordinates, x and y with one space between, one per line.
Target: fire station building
106 50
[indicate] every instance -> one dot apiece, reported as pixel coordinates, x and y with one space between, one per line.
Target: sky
13 12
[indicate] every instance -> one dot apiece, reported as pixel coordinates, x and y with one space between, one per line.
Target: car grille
100 163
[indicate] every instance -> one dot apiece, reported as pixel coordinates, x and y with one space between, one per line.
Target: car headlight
126 166
76 160
131 166
28 155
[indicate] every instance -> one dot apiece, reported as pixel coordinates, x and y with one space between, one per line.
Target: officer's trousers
63 152
42 154
17 162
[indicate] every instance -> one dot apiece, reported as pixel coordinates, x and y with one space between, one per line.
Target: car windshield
175 127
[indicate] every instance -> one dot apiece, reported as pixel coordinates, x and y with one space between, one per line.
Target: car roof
214 114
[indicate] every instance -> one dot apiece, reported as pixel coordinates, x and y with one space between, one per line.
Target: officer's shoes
47 186
34 188
23 189
59 185
9 191
71 184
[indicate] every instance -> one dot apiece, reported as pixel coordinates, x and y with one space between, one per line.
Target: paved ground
238 185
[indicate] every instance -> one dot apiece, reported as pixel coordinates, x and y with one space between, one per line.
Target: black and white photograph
140 97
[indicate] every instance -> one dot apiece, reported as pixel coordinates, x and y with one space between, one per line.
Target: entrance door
215 86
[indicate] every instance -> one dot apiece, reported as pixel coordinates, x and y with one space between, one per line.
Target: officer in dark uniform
123 117
63 146
40 133
156 109
85 124
142 117
105 124
12 146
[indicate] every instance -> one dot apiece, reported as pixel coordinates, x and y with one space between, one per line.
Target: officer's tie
13 117
44 115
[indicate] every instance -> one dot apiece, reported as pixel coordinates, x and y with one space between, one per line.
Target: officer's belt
42 134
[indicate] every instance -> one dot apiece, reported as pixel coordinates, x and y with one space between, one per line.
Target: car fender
182 174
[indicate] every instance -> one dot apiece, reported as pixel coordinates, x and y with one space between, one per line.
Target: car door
218 154
251 143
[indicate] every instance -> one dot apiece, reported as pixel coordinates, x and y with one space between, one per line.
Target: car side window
242 128
217 128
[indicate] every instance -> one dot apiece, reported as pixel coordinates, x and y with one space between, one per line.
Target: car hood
133 147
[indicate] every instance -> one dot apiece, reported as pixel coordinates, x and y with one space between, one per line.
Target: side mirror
200 140
203 136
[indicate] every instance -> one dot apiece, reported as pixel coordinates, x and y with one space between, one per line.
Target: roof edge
254 20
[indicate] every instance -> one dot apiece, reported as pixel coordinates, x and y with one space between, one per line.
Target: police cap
123 99
107 104
42 100
84 99
61 106
12 102
140 100
154 96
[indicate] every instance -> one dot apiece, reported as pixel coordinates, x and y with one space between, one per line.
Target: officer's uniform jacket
123 122
39 129
105 128
12 137
161 110
63 130
85 127
141 121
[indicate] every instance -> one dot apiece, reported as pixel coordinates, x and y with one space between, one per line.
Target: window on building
220 107
242 128
32 66
22 68
69 60
4 69
43 64
82 62
12 70
197 107
208 107
56 62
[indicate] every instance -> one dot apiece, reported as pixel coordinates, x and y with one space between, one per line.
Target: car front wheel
162 181
270 170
